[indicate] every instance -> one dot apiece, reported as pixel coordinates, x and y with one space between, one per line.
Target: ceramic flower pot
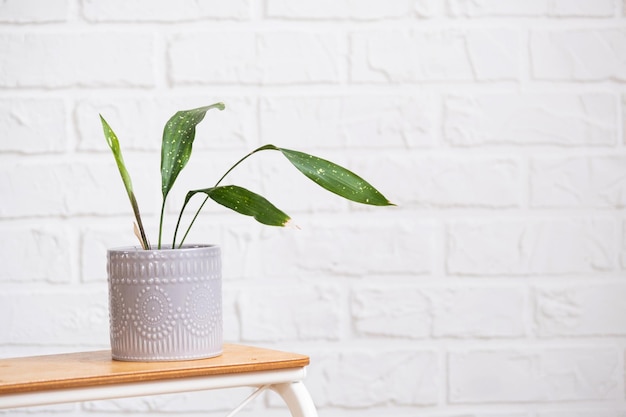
165 305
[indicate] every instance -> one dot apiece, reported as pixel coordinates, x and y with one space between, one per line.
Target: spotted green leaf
178 137
245 202
333 177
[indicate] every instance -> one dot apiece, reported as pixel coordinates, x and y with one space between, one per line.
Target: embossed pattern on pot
165 304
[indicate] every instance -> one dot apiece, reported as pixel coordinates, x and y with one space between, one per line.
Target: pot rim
184 248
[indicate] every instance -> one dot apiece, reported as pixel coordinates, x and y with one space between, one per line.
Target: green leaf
245 202
334 178
114 144
178 137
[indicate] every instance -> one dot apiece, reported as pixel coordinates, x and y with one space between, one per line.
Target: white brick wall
494 289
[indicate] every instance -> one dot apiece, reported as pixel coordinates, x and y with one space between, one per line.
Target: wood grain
71 370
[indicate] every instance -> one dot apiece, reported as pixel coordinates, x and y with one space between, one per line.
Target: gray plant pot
165 305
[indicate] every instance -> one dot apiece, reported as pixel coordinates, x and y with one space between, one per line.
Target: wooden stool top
83 369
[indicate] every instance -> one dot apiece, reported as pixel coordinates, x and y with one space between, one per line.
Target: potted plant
165 300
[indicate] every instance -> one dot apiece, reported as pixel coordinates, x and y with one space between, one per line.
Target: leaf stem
144 240
161 222
190 224
262 148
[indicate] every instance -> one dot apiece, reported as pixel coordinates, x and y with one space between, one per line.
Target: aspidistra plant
178 137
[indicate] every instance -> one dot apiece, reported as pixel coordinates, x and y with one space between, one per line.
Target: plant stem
133 202
262 148
161 222
190 224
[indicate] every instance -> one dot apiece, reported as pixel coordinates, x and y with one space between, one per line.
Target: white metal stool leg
297 398
248 400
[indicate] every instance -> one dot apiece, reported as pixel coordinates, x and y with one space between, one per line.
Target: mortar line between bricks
440 86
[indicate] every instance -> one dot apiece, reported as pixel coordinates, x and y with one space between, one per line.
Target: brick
534 375
271 313
76 60
139 123
589 412
490 413
578 55
545 247
164 11
418 313
255 58
592 181
57 189
333 246
342 9
79 317
445 182
479 312
33 125
449 182
531 119
391 312
428 9
44 253
363 121
431 56
579 8
33 11
580 310
582 8
360 378
468 8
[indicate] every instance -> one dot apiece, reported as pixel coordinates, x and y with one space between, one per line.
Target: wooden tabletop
83 369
